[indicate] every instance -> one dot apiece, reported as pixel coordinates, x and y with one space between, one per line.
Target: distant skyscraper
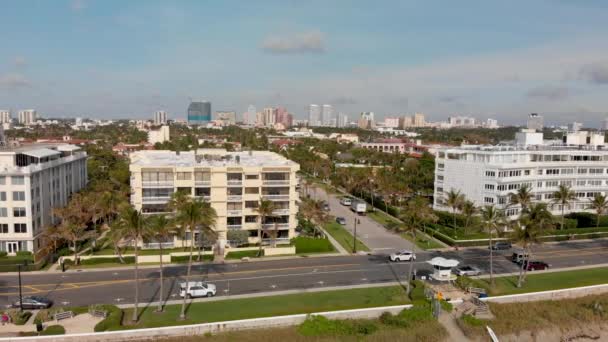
342 120
270 116
419 120
366 120
259 119
314 115
160 117
536 122
227 118
392 122
199 113
27 117
283 117
250 115
5 116
605 124
327 114
575 126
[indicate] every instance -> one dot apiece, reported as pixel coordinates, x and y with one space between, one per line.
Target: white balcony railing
278 241
235 182
157 183
202 182
276 182
276 197
278 226
234 226
235 198
235 212
156 199
281 212
204 197
157 245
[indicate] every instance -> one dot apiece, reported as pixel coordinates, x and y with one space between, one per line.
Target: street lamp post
20 294
355 236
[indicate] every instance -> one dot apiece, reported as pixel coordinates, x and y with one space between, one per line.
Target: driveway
371 233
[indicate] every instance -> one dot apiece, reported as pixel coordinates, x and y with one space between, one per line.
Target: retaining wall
550 295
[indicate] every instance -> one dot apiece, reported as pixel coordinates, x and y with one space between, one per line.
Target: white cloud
307 42
14 81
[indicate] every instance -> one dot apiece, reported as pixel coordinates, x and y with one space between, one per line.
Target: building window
439 177
251 177
596 171
594 182
502 200
567 171
252 191
251 219
569 183
441 166
2 180
2 196
552 171
18 212
184 176
251 204
4 228
582 171
581 182
20 228
3 212
549 184
17 180
526 172
234 206
202 176
18 195
502 187
490 174
488 200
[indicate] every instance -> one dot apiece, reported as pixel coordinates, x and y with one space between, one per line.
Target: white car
467 271
346 201
402 256
197 289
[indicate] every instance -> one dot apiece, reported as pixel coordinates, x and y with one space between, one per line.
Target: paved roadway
97 286
372 234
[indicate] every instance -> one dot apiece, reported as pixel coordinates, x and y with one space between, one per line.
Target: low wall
270 251
201 329
550 295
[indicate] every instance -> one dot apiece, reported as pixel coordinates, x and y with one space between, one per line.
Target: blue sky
500 59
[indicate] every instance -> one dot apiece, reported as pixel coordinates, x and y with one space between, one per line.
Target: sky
127 59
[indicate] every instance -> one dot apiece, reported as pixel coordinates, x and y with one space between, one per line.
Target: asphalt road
116 287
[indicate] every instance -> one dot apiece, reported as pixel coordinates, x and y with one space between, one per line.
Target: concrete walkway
448 321
335 243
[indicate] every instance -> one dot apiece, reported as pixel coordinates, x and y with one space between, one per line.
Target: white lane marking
382 248
273 286
115 273
321 282
119 299
364 279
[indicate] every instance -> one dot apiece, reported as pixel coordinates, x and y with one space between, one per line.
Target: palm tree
131 227
492 220
454 200
528 231
600 205
563 196
468 210
265 210
196 214
160 229
313 211
522 197
178 200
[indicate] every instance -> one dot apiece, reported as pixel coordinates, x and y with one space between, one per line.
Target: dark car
535 265
326 206
501 245
341 220
34 302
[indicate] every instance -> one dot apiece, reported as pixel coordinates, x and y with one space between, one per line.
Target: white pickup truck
359 207
197 289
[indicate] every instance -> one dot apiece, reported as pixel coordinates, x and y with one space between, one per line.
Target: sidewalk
448 321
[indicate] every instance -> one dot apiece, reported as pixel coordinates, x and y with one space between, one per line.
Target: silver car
467 271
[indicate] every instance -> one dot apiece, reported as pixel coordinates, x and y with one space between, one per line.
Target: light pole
20 294
355 236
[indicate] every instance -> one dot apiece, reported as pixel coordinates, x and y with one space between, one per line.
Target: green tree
562 197
522 197
160 229
238 237
492 219
454 199
599 204
196 214
468 210
265 210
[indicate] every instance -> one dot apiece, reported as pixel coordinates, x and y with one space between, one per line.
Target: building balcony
235 198
203 182
278 226
156 199
235 182
157 184
271 182
205 197
276 197
234 213
281 211
234 226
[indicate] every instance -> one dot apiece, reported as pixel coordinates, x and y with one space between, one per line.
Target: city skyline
103 59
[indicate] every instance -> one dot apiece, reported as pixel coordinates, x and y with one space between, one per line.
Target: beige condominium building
233 182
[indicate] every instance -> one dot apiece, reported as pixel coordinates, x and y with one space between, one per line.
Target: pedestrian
4 318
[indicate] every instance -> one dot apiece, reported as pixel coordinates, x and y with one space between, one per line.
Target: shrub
24 254
408 317
322 326
185 258
568 223
464 282
112 260
238 237
583 219
446 306
3 254
417 294
18 317
53 330
112 321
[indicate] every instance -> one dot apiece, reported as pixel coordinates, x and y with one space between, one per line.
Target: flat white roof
209 158
41 153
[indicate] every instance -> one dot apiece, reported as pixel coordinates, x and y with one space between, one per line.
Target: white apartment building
327 115
27 117
34 179
5 116
314 115
536 122
160 117
487 175
233 182
159 136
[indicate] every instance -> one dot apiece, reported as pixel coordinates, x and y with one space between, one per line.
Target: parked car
501 245
346 201
197 289
325 206
34 302
467 270
536 265
402 256
341 220
519 256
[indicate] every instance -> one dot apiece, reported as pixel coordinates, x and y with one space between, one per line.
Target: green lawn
272 306
242 254
343 237
381 217
308 245
110 251
421 241
546 281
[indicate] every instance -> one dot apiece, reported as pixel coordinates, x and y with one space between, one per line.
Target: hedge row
112 321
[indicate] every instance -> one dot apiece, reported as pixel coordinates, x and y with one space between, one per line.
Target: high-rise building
406 122
27 117
605 124
199 113
327 114
250 115
366 120
419 120
536 122
270 116
5 116
575 126
160 117
233 183
259 119
391 122
342 120
159 136
462 121
284 117
35 180
227 118
314 115
491 123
